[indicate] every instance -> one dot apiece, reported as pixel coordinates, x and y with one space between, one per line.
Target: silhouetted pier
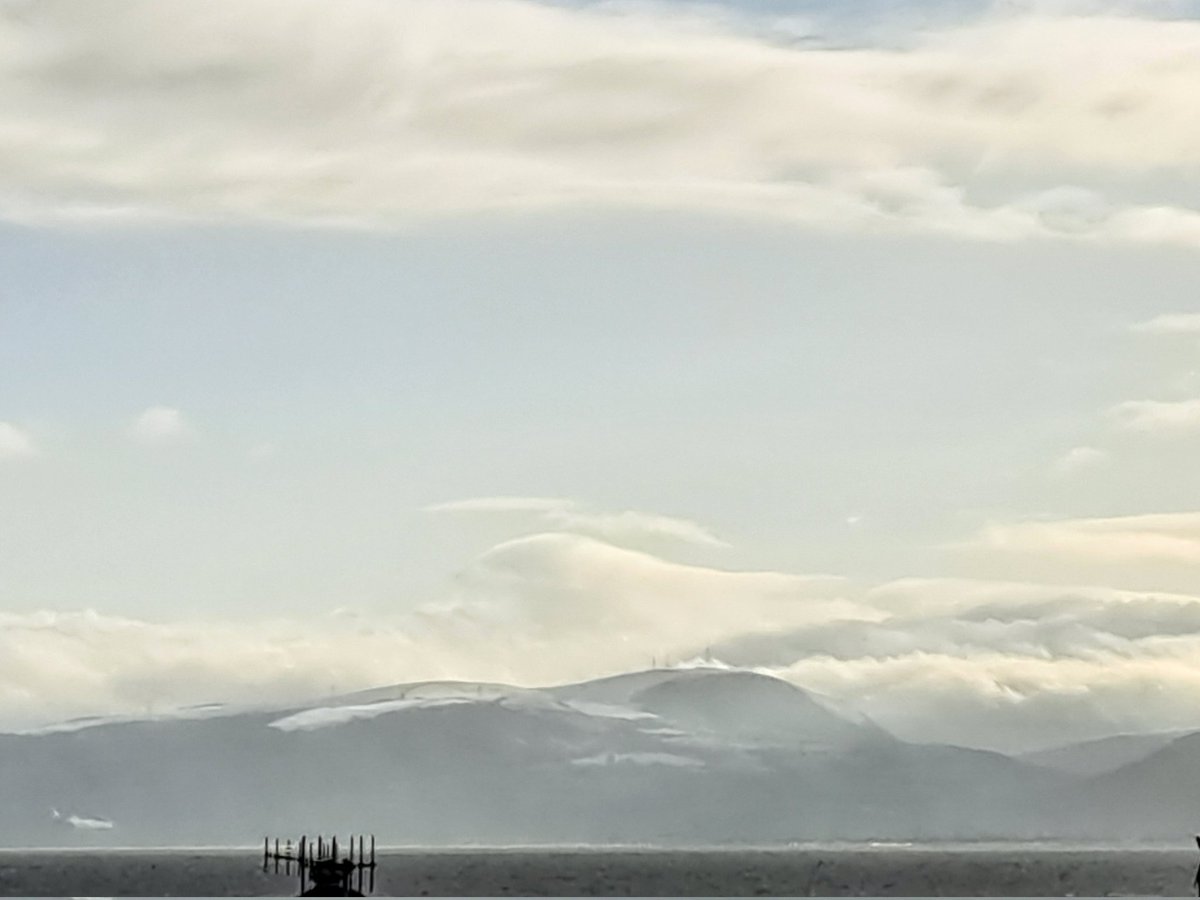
326 868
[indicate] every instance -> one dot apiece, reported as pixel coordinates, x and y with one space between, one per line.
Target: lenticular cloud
1009 666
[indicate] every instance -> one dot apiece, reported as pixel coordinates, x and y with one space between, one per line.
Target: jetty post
322 855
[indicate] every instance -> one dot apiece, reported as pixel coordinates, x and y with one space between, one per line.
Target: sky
343 345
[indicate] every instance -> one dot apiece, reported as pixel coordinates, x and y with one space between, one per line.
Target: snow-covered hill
697 755
733 706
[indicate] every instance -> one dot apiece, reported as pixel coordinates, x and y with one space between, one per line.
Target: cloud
1154 538
1001 665
378 114
981 663
160 425
565 582
539 610
1173 323
15 443
502 505
1079 459
1165 417
563 514
1011 703
630 525
976 619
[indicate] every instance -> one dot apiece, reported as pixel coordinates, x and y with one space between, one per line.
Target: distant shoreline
1044 845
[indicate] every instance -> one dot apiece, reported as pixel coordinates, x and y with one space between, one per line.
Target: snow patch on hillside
608 710
328 716
640 759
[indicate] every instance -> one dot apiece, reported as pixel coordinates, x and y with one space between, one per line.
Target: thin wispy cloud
1150 538
566 515
15 443
160 425
633 525
502 505
1170 324
1162 417
1081 459
378 114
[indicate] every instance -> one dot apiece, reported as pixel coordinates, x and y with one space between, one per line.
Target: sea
806 870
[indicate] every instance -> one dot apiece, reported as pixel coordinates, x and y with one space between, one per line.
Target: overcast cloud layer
1014 125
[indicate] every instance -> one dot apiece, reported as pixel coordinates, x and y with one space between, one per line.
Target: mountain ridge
701 755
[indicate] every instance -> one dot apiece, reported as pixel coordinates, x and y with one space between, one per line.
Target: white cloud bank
539 609
982 663
378 113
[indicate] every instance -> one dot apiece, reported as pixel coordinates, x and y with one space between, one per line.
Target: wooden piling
372 850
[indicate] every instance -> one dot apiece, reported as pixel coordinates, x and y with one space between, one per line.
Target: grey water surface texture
1016 871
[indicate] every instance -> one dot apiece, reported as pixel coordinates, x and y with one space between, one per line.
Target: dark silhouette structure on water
323 871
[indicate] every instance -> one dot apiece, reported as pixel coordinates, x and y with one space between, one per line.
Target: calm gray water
996 870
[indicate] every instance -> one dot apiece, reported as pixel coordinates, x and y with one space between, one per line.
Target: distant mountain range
700 755
1096 757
